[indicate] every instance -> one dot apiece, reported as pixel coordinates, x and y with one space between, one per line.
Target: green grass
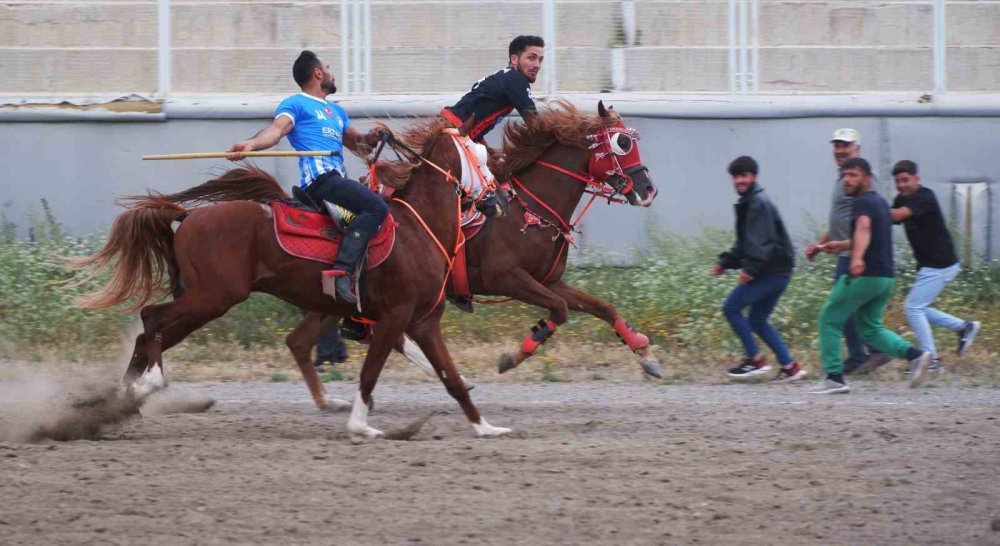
668 294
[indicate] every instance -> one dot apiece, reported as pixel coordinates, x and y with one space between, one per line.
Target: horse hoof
486 430
333 405
652 368
506 363
366 432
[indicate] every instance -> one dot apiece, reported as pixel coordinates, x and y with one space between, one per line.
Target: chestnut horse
552 160
223 252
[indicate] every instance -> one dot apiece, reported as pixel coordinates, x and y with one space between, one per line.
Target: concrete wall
81 167
443 46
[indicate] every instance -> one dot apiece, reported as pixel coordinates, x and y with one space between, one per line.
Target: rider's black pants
353 196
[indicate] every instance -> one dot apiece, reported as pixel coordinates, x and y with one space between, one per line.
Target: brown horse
552 160
223 252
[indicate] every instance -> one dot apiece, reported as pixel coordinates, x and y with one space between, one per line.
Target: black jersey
492 98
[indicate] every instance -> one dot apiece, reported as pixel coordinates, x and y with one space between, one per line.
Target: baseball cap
846 135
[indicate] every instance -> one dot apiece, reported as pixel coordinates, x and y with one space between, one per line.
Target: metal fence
159 48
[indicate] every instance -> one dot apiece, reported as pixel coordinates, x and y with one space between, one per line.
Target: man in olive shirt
917 209
846 145
867 287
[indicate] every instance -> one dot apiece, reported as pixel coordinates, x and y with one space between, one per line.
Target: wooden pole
210 155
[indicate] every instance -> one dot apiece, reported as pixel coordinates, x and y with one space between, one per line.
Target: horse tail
246 183
139 255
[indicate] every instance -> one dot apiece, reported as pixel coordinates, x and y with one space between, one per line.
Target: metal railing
160 48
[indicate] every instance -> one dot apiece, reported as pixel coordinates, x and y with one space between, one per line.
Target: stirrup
330 277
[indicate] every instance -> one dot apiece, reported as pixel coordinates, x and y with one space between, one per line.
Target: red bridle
612 153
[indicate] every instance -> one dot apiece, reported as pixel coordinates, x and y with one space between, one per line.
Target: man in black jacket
764 255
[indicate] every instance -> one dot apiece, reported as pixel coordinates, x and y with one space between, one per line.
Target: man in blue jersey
314 124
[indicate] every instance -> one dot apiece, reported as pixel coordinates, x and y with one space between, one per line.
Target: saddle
305 232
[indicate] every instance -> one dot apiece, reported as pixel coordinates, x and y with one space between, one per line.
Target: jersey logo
328 111
319 115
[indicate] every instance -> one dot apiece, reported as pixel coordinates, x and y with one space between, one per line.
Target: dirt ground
594 462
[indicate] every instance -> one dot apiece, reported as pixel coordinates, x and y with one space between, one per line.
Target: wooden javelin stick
209 155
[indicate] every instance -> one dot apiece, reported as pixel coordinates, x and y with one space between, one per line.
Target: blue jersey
319 126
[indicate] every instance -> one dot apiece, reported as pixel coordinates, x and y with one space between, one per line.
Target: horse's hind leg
385 333
577 300
165 325
427 334
300 342
522 286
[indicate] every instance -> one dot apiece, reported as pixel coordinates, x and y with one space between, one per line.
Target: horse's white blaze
357 423
486 430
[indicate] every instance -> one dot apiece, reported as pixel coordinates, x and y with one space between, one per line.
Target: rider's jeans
370 208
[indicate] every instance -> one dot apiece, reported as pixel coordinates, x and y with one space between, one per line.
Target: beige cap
846 135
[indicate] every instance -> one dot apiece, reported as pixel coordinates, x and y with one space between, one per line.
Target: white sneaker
918 369
829 386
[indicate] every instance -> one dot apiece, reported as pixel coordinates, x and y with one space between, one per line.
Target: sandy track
595 463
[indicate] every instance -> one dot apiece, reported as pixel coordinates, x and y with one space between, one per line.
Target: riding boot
352 247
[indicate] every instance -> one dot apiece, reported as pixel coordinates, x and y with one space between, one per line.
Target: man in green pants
867 287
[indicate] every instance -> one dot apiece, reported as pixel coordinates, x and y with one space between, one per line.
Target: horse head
615 160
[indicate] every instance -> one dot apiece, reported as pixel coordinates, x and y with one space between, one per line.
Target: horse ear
466 127
601 110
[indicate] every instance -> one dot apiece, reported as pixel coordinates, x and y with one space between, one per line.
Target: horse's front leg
300 342
427 334
385 333
578 300
522 286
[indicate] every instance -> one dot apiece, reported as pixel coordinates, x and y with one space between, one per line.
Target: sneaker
749 368
829 386
918 369
935 367
967 335
874 362
789 373
851 366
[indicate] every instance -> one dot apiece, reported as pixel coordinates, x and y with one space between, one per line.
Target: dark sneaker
829 386
874 362
967 335
463 303
749 368
787 374
918 369
851 366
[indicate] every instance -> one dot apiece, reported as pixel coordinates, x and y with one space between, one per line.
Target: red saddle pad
313 236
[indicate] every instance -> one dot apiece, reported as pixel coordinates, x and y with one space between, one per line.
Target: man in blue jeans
846 145
917 209
765 257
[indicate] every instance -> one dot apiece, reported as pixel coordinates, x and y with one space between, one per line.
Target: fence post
940 47
549 29
163 50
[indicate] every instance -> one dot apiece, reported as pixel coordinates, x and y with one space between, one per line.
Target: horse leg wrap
539 333
629 336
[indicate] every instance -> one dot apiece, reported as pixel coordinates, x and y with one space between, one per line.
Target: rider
492 98
313 123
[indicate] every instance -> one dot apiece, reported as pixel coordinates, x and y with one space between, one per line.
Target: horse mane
421 135
526 141
246 183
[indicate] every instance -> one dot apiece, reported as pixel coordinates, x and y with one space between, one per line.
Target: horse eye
623 142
